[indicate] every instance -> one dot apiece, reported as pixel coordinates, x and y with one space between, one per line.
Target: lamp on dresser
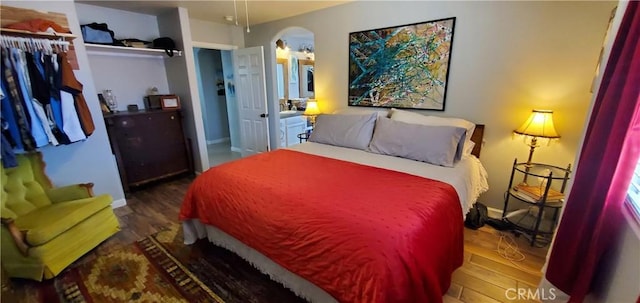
538 125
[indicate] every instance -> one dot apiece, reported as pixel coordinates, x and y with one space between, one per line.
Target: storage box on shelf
542 188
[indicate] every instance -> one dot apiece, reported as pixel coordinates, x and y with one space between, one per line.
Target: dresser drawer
148 145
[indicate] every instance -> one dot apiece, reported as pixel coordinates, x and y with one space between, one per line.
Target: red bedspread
362 234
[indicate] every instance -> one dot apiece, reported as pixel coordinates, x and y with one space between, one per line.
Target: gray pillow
439 145
353 131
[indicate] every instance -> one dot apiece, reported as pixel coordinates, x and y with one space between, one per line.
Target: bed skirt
194 230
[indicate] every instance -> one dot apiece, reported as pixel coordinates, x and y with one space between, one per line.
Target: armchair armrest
71 192
18 236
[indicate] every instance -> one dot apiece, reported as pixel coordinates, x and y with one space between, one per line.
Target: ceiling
260 11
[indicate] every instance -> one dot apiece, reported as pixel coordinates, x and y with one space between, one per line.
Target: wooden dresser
148 145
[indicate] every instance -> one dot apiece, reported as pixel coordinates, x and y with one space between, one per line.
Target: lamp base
527 167
312 121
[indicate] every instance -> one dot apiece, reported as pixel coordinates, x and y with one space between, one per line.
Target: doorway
294 83
214 70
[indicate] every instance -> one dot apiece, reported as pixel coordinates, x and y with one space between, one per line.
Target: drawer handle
173 117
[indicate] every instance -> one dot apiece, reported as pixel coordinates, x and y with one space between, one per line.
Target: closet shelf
23 33
111 50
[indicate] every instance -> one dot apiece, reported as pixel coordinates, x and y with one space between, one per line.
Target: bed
340 224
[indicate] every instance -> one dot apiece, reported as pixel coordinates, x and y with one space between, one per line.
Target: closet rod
31 44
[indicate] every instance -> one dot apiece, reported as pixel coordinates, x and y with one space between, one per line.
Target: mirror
282 73
294 78
294 66
305 69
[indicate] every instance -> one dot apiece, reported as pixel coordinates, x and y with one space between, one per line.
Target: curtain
593 214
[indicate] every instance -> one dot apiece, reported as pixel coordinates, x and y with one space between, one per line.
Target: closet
148 144
42 101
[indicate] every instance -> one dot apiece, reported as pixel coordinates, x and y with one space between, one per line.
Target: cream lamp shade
312 108
312 111
539 125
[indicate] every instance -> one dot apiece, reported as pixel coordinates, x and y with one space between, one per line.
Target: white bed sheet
468 177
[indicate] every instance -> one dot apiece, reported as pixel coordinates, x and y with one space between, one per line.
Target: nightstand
544 192
304 136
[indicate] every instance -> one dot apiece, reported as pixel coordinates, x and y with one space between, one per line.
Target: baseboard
227 139
494 213
119 203
236 149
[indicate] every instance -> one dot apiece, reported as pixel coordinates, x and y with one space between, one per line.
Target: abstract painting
403 67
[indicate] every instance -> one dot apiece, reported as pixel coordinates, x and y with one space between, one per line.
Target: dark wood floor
484 277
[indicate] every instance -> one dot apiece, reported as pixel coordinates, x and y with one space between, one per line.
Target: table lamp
538 125
312 111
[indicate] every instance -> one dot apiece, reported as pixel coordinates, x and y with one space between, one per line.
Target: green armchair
45 229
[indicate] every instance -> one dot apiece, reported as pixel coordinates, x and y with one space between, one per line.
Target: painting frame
405 66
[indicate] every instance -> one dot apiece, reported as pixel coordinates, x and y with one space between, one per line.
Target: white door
251 93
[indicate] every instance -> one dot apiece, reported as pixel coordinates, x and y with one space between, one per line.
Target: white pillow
353 131
435 144
415 118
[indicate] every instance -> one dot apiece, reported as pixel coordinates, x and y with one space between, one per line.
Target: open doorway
214 70
294 71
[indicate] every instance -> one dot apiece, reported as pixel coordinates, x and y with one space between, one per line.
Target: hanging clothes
7 115
71 125
42 94
37 130
73 86
38 118
8 156
16 102
54 80
42 101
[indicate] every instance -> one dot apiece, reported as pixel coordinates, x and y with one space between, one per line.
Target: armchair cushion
26 188
46 223
22 193
71 192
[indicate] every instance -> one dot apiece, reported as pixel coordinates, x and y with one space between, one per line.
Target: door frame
273 102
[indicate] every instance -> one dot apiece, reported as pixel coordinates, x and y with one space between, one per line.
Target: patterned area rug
160 268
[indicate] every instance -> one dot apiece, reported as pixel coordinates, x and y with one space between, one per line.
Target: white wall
620 281
130 78
507 58
211 32
91 160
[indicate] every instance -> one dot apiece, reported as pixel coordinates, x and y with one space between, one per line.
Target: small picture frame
170 102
